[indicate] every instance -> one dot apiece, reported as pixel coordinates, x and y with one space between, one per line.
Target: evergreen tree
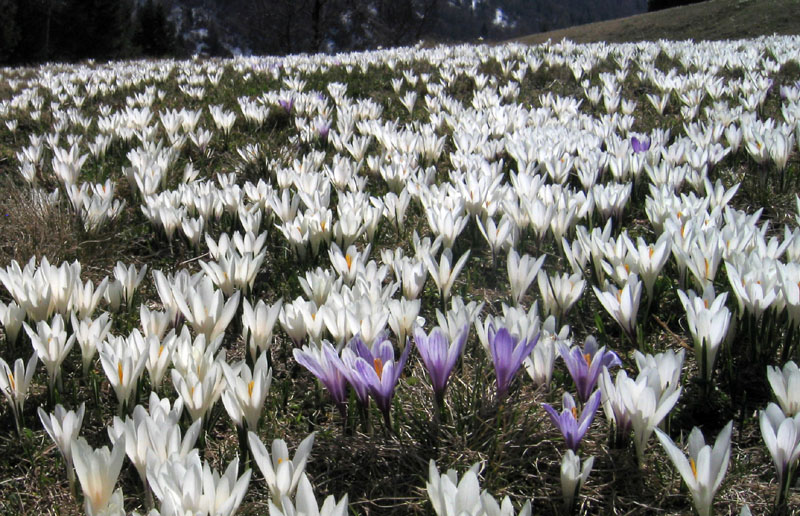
154 35
9 30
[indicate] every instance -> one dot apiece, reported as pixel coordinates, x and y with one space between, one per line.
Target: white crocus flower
86 297
560 291
705 467
134 434
650 258
305 503
708 319
645 409
413 274
159 355
123 361
52 345
622 304
89 333
293 321
281 473
258 323
317 285
614 403
97 471
246 391
490 507
205 308
14 384
752 293
521 272
164 432
113 295
539 365
130 279
63 427
451 496
498 236
444 275
781 434
785 385
11 317
666 366
198 393
185 485
573 477
347 264
402 317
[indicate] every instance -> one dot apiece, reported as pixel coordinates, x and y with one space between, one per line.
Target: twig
674 335
190 260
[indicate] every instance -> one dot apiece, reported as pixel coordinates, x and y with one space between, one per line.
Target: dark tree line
41 30
34 31
290 26
657 5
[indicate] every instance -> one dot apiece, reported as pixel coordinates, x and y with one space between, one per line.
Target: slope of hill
712 20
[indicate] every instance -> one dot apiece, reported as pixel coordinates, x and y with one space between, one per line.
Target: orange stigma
250 388
574 412
119 371
378 364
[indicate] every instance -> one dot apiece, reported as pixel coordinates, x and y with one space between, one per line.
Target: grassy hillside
715 19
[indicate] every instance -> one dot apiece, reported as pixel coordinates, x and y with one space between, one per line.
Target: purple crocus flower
642 145
380 372
572 426
346 364
585 365
318 360
287 105
323 130
439 356
507 355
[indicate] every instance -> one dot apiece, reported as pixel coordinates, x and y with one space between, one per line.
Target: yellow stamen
706 260
694 467
119 371
588 358
574 412
250 388
651 251
378 364
280 460
349 260
627 268
11 381
160 350
705 302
